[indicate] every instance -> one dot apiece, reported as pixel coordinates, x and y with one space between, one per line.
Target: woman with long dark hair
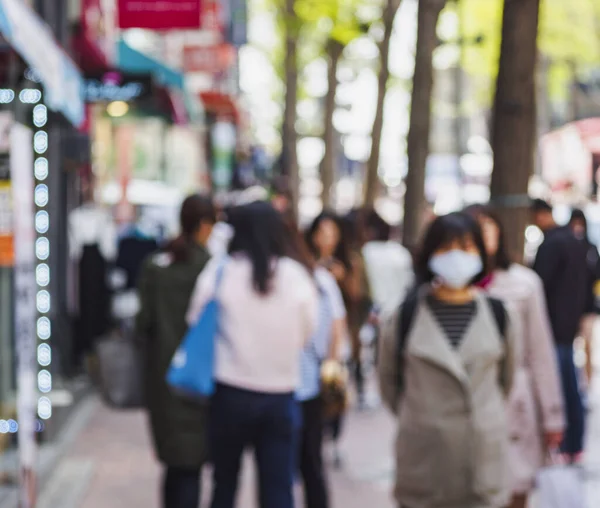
446 367
536 413
166 282
268 305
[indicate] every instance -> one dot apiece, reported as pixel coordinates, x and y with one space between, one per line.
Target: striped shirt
453 319
331 308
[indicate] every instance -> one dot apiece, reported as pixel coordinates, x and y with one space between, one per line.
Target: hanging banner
237 33
160 14
33 40
21 163
210 59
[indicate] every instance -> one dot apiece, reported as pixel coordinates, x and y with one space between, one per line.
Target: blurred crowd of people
475 350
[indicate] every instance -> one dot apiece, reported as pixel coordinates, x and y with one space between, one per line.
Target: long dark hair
502 259
195 210
342 251
262 235
443 231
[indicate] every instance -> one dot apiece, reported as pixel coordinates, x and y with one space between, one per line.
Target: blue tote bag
191 372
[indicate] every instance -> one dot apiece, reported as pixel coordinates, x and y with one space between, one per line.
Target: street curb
51 454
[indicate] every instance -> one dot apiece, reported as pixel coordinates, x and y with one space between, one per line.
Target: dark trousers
311 455
181 488
573 442
267 423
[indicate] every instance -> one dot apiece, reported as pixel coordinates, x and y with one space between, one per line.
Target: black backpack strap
406 317
499 315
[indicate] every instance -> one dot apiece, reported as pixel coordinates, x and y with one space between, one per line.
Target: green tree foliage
569 36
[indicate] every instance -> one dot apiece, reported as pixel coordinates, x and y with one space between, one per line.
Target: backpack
409 310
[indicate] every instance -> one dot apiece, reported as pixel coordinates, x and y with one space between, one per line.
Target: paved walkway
110 463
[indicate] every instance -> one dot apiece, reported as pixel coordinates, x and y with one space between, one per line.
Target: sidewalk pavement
111 465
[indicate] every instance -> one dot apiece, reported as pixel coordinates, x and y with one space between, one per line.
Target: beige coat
453 439
536 401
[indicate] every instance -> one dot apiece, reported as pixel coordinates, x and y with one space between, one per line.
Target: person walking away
561 262
389 265
166 283
357 295
446 367
579 226
324 346
269 307
536 412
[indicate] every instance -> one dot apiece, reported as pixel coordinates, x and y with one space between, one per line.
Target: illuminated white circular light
4 427
41 195
44 408
44 381
40 142
30 96
44 328
42 275
42 222
40 115
43 302
39 426
13 426
41 168
6 96
44 355
42 248
32 75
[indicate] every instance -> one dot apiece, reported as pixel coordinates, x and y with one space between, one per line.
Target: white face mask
456 268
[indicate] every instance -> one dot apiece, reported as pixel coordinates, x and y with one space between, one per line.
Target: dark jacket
178 425
562 264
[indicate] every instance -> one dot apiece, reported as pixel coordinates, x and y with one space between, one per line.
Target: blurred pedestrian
446 367
269 306
324 347
579 226
357 295
536 412
325 241
561 262
166 283
389 265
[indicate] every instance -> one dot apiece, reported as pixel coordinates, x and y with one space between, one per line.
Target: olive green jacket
178 425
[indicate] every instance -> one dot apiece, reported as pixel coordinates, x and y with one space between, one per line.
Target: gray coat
453 439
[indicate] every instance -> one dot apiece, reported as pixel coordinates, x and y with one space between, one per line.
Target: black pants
311 456
181 488
268 423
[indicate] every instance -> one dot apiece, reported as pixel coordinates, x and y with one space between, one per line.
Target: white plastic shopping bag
561 486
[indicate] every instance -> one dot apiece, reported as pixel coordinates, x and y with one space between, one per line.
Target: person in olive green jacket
166 284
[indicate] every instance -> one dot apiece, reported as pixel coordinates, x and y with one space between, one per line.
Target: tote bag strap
219 276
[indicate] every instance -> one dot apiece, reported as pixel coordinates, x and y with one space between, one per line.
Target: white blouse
261 336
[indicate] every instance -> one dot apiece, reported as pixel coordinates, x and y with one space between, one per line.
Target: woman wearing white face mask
446 367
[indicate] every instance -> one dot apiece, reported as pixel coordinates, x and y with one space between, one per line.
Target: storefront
41 100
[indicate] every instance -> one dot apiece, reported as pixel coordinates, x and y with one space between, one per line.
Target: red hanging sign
160 14
209 59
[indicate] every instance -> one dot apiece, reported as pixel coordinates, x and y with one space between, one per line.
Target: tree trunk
420 120
328 166
372 176
514 121
289 134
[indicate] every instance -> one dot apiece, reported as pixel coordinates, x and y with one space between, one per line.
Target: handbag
334 389
561 486
191 372
120 371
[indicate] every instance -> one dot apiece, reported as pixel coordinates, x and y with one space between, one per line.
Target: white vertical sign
21 165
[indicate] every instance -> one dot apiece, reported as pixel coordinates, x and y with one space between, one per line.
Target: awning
33 40
220 104
135 62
